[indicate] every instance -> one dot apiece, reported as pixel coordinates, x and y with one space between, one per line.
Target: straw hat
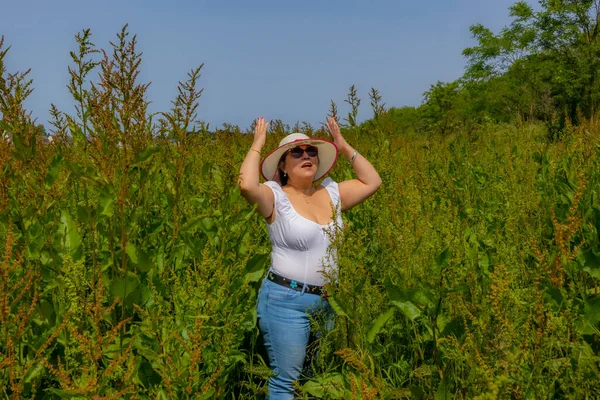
327 154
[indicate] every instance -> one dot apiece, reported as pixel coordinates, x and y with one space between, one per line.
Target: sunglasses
298 152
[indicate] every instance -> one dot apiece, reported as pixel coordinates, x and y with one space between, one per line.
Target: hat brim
328 153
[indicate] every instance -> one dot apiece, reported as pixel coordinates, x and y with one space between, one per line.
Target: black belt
295 285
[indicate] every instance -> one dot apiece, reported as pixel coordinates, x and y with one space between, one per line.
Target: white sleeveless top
301 247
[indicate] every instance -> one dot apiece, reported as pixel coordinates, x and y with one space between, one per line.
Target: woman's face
302 164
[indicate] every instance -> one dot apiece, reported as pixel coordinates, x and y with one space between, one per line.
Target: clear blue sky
279 59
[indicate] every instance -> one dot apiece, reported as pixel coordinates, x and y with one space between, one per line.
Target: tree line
543 67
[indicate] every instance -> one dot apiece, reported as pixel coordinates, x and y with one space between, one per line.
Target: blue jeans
284 317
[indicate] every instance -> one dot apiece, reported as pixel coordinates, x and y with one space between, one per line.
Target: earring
285 174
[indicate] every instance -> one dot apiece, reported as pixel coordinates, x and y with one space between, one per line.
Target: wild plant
131 264
354 102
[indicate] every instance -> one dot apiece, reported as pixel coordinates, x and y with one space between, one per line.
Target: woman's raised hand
354 191
260 133
336 134
250 186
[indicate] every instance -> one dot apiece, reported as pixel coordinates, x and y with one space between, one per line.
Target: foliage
354 103
548 58
541 67
376 103
130 264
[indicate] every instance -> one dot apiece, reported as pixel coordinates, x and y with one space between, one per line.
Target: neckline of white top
302 216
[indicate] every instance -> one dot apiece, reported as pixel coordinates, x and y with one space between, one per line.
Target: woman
301 219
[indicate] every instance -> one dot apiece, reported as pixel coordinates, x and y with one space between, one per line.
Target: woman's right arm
252 190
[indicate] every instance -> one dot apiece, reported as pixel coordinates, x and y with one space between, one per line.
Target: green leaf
208 226
46 312
122 287
34 373
71 237
53 170
592 309
76 132
82 214
75 168
443 259
65 394
422 297
408 309
5 126
35 246
594 272
329 386
461 287
339 311
379 323
217 178
139 257
591 317
207 395
234 357
20 153
146 154
443 391
484 262
146 374
590 261
454 328
554 296
106 204
192 224
131 251
255 267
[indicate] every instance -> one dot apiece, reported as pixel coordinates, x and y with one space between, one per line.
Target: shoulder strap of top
281 203
273 185
334 192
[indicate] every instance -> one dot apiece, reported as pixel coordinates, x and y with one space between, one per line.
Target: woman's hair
283 179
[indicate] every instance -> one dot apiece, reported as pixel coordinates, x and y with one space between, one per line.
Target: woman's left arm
354 191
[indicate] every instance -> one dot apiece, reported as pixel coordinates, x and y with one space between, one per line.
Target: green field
130 263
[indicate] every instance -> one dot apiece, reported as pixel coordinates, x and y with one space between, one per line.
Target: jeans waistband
295 285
